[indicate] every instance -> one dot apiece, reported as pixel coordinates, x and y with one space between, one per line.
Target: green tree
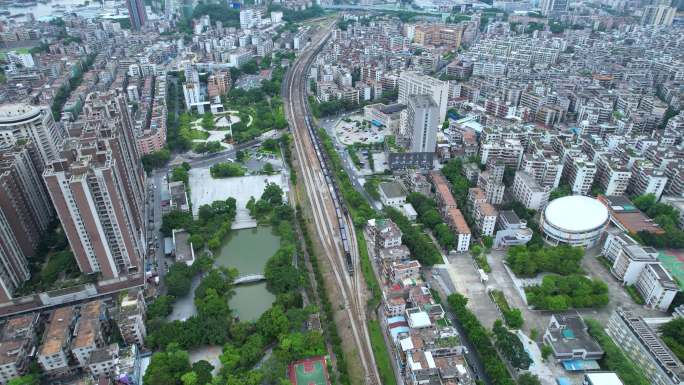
203 370
29 379
161 307
673 336
268 169
226 170
208 121
273 323
167 367
487 242
528 379
178 279
175 219
189 378
155 159
511 347
180 174
273 194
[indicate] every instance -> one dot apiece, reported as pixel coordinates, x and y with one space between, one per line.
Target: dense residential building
645 348
491 182
527 191
88 334
16 345
53 354
392 194
647 179
580 175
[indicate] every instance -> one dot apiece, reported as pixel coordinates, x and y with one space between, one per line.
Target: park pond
247 251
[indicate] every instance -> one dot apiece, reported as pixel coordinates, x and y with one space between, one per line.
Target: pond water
248 250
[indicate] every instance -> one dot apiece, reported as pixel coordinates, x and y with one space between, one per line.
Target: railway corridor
325 205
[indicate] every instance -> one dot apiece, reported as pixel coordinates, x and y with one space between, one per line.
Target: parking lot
354 129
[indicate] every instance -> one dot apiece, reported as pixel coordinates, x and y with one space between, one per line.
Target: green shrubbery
226 170
664 215
511 347
564 292
430 217
420 245
673 336
528 262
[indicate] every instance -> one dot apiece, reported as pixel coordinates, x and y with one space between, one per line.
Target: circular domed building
574 220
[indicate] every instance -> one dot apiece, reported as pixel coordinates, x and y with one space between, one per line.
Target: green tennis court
673 261
309 372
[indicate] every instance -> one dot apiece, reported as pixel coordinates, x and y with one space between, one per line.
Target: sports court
312 371
673 261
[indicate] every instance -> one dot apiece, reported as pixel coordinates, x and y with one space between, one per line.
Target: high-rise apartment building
553 7
136 14
86 190
422 119
22 122
97 188
25 213
658 15
413 83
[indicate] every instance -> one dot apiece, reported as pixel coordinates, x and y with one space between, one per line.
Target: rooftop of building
19 327
650 340
85 333
11 113
605 378
629 217
9 350
458 221
183 246
576 213
571 335
57 331
664 278
422 101
392 190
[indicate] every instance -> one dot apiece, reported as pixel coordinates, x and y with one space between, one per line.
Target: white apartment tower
422 116
25 122
413 83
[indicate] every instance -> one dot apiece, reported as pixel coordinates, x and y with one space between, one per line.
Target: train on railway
340 210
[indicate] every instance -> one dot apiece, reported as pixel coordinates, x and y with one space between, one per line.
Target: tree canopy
528 262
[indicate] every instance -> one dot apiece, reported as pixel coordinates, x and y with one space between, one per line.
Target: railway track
333 223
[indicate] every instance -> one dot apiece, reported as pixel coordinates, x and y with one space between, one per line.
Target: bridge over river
249 278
